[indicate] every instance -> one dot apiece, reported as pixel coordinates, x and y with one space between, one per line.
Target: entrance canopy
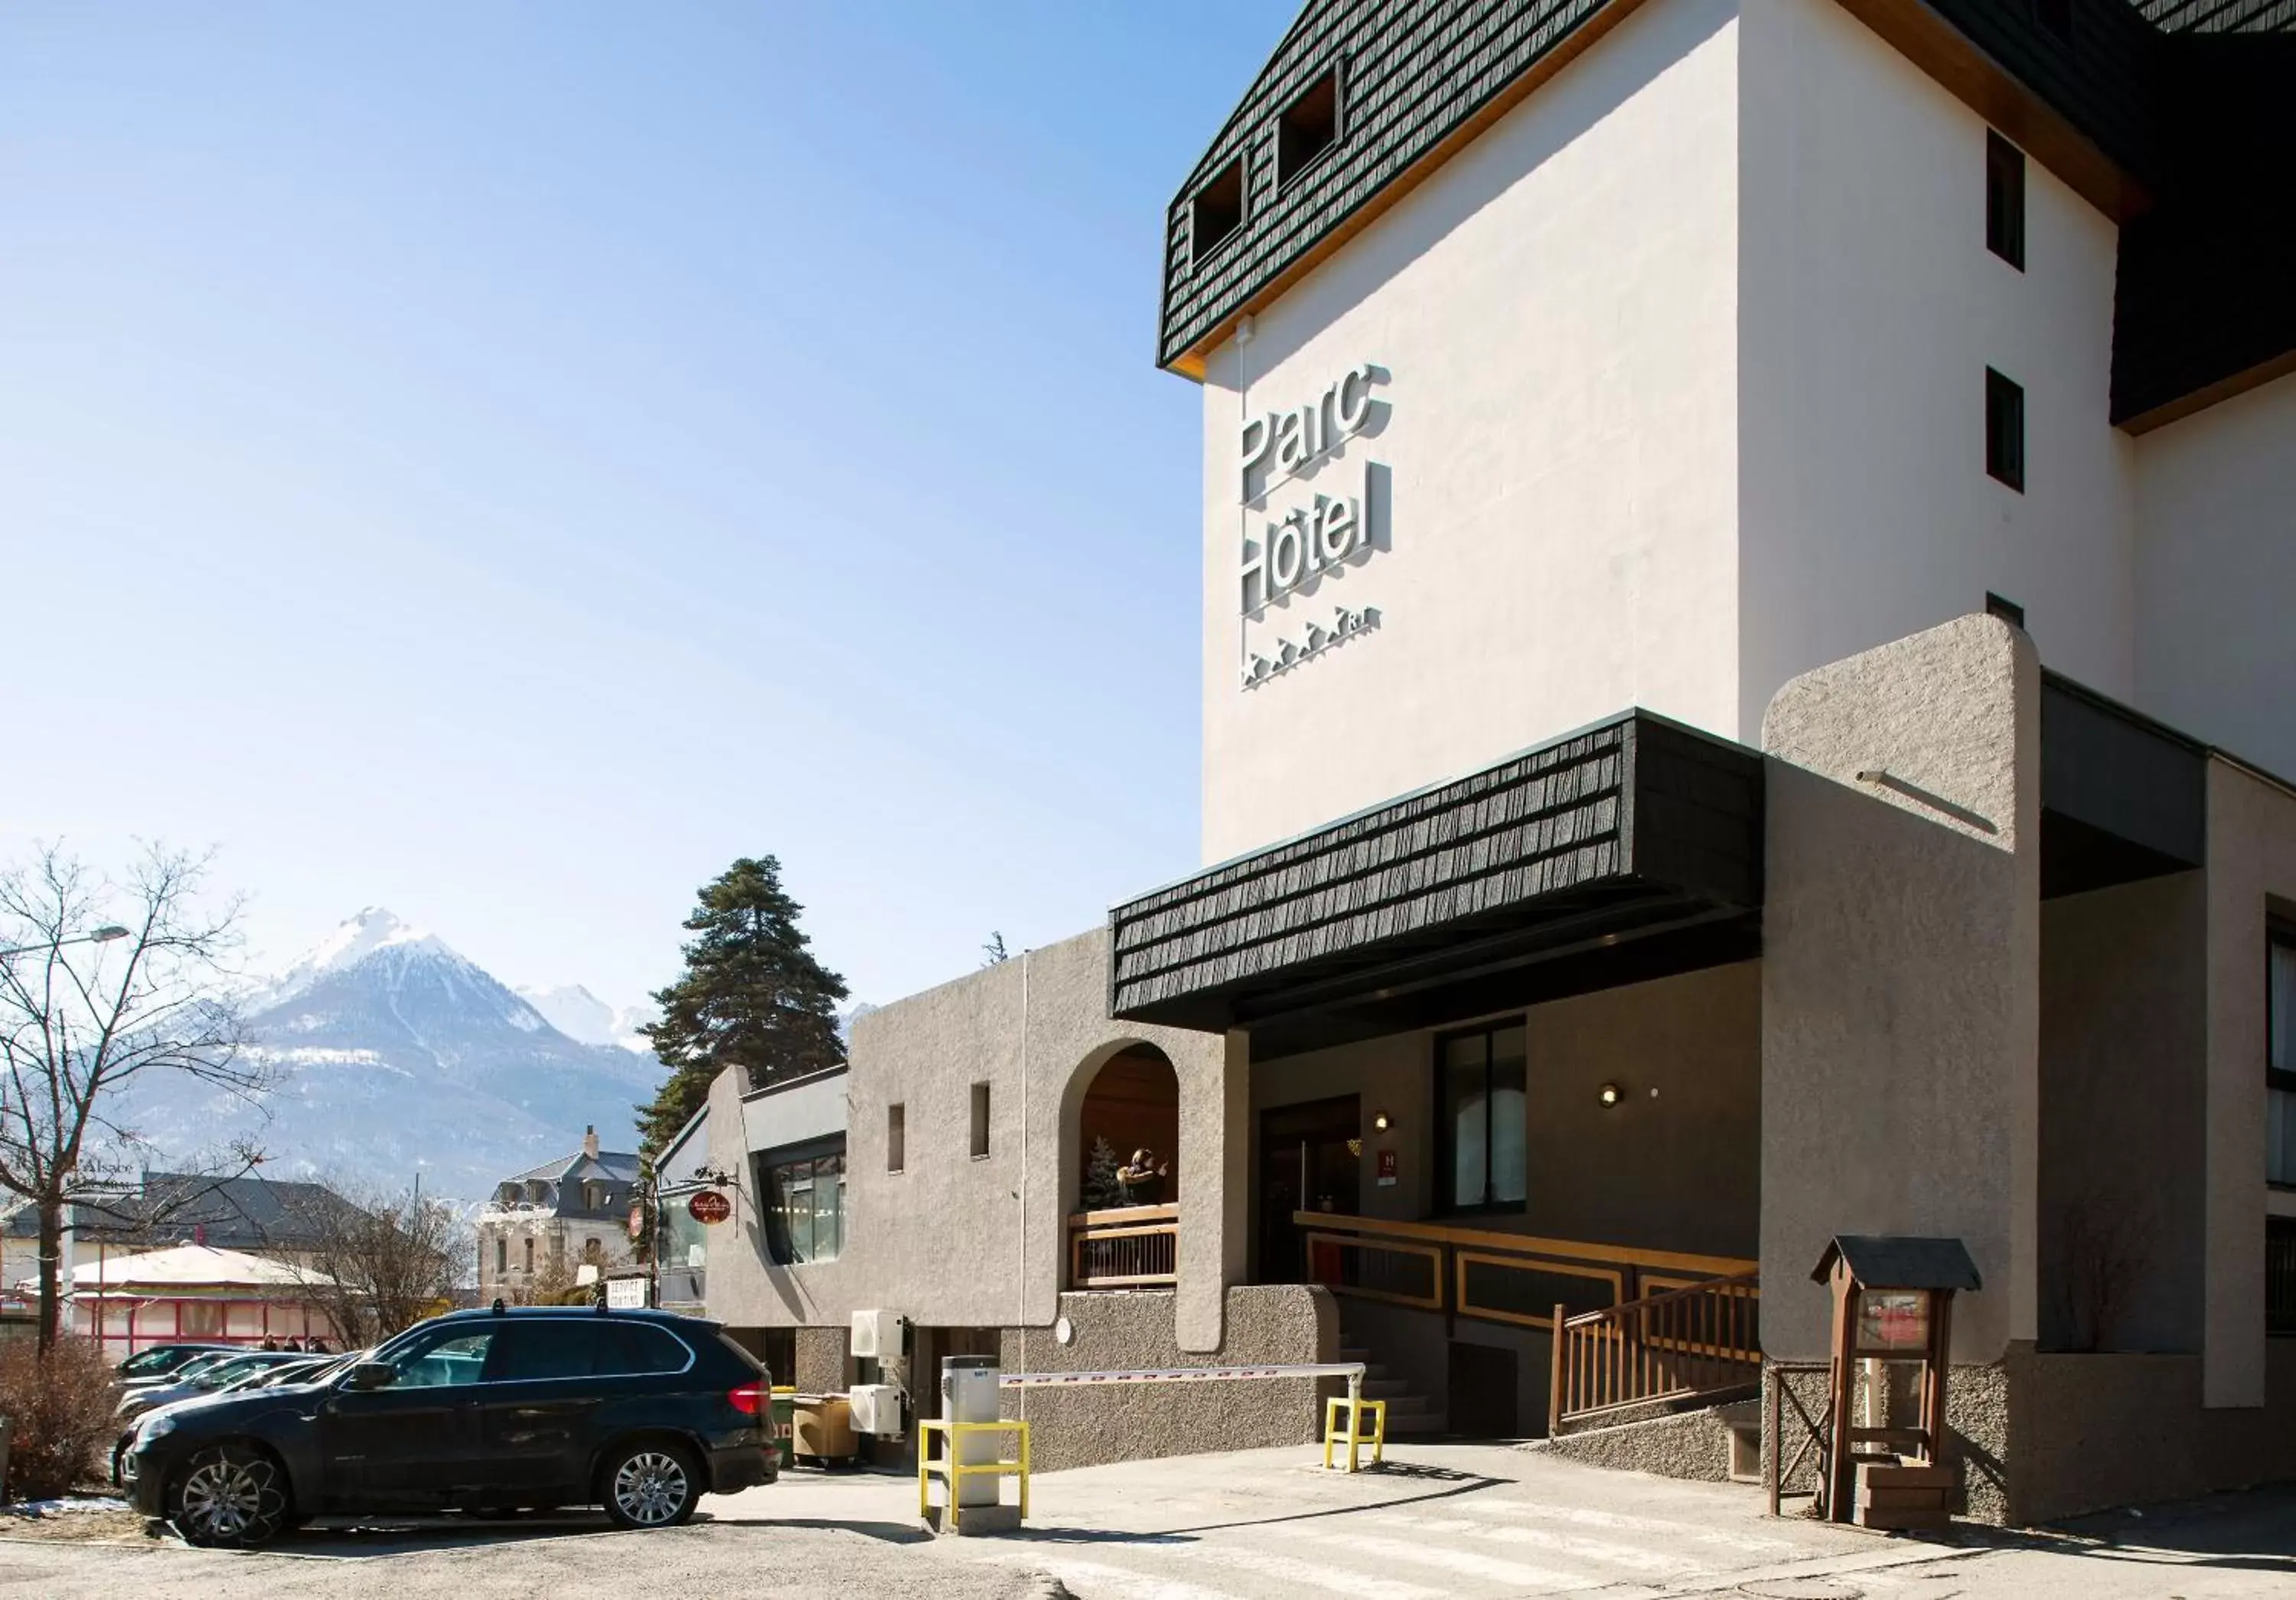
1629 850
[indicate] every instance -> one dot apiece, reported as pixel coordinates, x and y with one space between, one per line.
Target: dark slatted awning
1639 832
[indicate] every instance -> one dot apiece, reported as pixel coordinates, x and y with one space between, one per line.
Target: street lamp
101 936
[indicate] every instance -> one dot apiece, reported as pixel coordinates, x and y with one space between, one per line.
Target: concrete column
2251 862
1901 973
1215 1153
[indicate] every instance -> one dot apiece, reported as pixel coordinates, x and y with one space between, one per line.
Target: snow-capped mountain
394 1055
581 1016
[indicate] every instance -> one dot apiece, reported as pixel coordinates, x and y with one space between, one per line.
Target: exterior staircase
1409 1414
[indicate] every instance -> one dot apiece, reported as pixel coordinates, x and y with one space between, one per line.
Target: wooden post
1554 1379
1841 1467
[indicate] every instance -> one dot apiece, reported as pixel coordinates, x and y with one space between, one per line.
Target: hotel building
1747 556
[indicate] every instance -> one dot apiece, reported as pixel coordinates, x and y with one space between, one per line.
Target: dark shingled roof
1889 1261
2190 98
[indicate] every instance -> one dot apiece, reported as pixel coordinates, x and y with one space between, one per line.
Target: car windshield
197 1365
224 1372
157 1360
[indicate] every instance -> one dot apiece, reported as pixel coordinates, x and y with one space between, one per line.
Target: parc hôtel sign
708 1205
1310 534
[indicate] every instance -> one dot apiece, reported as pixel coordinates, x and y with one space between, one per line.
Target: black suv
640 1412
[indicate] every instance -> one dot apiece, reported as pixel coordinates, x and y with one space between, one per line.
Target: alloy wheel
225 1500
650 1487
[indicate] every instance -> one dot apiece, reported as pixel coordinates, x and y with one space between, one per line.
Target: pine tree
1100 1190
752 996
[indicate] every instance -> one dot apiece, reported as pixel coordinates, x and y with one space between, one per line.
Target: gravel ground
783 1562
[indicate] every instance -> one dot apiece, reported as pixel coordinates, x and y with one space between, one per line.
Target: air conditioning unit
877 1336
875 1408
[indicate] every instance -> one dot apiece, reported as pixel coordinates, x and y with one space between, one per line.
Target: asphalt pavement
1477 1523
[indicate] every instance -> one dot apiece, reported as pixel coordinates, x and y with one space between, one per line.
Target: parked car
191 1367
308 1369
147 1365
638 1412
204 1378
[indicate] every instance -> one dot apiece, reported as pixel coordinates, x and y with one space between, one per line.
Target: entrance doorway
1310 1160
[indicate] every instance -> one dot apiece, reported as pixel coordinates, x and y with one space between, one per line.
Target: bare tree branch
86 1011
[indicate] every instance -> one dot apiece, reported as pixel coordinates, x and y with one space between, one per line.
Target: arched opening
1125 1231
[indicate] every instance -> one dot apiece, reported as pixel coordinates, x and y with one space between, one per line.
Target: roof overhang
1628 851
2123 797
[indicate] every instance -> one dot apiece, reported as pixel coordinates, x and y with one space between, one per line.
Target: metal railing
1702 1337
1130 1247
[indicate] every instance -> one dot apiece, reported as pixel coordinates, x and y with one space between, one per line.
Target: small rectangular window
501 1255
1308 127
980 1121
2056 17
1218 211
2280 1057
530 1254
896 1137
2004 199
2004 431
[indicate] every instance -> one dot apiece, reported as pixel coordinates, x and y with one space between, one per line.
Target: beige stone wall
955 1241
2251 872
2123 1054
1084 1427
1900 972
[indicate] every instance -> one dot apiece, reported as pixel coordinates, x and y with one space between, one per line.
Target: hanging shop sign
708 1205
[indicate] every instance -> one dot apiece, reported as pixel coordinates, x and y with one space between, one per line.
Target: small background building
130 1302
544 1225
252 1215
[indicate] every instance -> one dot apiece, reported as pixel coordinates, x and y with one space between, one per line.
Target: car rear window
634 1348
749 1363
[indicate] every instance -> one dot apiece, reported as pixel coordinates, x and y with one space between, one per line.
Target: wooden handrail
1125 1247
1576 1250
1679 1344
1119 1215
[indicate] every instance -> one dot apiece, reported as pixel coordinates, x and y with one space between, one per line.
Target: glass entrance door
1310 1160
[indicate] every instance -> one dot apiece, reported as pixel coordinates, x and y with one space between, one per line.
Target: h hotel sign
1307 529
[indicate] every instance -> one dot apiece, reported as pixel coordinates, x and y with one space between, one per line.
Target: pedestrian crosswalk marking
1330 1580
1467 1563
1632 1557
1099 1577
1623 1523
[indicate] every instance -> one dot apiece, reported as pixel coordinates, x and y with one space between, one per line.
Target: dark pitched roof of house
608 1166
2186 100
1891 1261
237 1213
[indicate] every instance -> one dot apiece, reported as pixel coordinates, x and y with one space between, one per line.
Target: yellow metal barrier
1354 1436
955 1471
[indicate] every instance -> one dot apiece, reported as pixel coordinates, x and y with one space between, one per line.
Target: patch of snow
68 1505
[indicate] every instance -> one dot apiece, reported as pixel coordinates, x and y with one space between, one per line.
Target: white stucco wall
2216 645
1555 312
1870 309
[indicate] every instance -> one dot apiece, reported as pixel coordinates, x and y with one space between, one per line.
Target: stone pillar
1900 972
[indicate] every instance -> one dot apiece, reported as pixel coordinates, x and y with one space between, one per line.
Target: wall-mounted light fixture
1610 1095
1381 1121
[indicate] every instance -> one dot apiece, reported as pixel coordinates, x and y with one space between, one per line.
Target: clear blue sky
503 461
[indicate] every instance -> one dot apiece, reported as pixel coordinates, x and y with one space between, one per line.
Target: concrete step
1383 1388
